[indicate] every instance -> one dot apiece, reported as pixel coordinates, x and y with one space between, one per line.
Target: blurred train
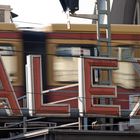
60 49
58 96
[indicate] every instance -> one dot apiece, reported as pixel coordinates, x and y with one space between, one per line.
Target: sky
44 12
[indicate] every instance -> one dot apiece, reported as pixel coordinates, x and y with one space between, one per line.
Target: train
40 72
55 43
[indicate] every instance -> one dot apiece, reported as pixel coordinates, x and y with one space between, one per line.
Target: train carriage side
11 51
60 49
34 44
82 38
64 46
63 49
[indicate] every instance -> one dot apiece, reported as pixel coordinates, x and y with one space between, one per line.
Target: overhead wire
37 23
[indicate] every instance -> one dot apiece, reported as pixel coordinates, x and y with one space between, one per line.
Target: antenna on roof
69 7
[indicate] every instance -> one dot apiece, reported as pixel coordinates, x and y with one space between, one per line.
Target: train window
125 75
64 51
72 51
125 53
6 50
66 62
9 60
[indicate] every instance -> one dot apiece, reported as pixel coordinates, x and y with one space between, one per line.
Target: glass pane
72 50
66 66
9 60
6 50
125 53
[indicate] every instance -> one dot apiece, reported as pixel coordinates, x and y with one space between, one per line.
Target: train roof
115 28
8 27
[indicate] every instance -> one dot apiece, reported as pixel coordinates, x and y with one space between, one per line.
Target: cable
64 56
28 22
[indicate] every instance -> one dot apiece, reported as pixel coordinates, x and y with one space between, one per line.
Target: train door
34 44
